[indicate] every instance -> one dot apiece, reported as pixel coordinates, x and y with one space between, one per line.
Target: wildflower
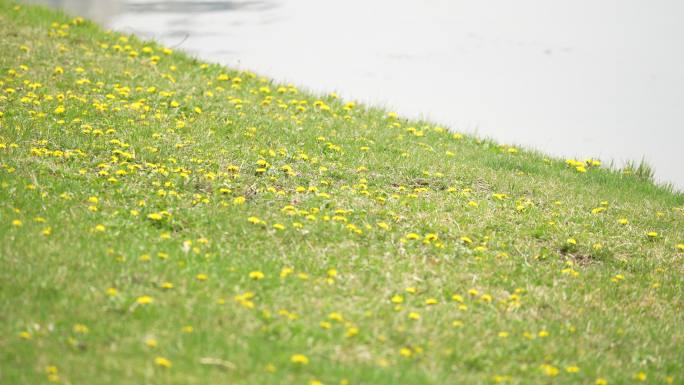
405 352
201 277
53 373
601 381
99 228
652 234
25 335
144 300
256 275
397 299
617 278
414 316
335 316
80 329
640 376
255 220
286 271
151 342
112 292
299 359
572 369
163 362
550 370
623 221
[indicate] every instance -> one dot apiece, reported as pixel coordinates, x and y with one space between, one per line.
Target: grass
168 221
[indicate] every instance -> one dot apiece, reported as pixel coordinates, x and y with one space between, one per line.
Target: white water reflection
575 78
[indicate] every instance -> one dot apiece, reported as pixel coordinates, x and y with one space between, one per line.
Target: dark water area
575 79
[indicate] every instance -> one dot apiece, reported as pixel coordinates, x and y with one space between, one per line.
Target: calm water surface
575 78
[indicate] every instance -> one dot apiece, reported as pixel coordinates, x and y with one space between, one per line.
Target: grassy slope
361 186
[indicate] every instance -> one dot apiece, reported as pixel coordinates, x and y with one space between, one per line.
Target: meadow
164 220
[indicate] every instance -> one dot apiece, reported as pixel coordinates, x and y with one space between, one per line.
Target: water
574 78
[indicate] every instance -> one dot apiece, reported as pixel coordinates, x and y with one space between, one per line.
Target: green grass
389 251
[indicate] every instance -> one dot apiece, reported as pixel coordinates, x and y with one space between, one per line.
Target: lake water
574 78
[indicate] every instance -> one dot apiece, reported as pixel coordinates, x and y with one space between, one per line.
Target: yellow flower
25 335
80 329
239 200
299 359
406 352
652 234
601 381
550 370
256 275
255 220
151 342
144 300
335 316
201 277
163 362
640 376
414 316
572 369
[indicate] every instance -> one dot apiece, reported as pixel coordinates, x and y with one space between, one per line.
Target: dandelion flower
256 275
163 362
299 359
144 300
